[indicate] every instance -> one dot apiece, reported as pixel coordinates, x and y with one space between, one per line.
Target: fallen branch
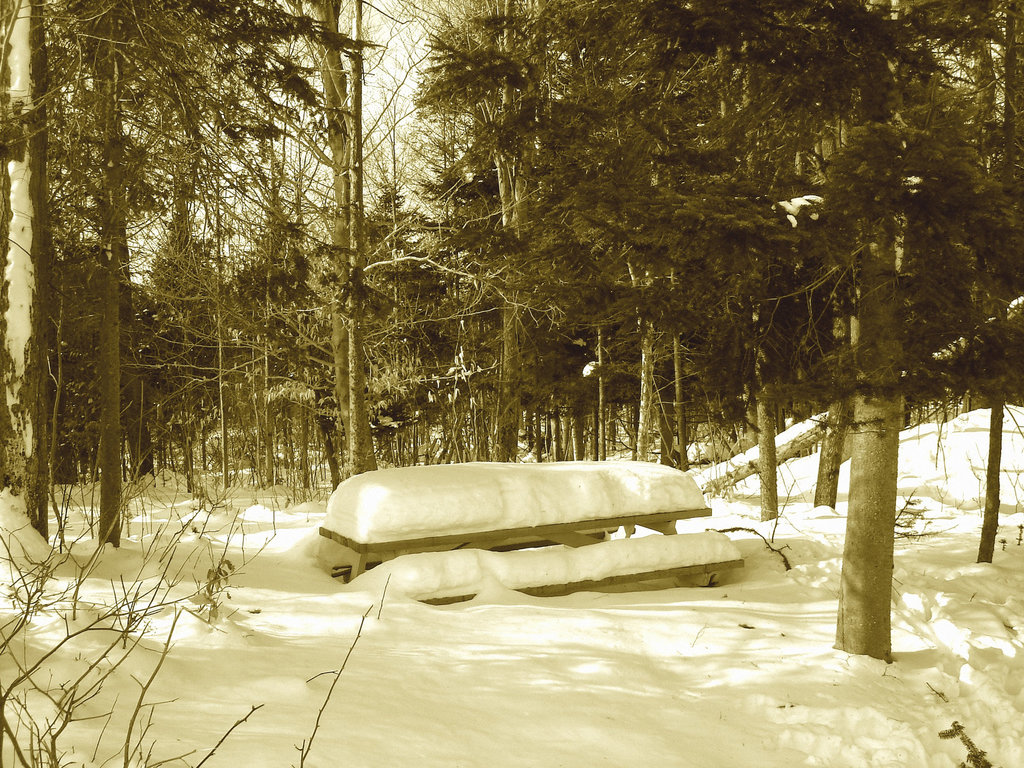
252 709
779 552
789 444
307 745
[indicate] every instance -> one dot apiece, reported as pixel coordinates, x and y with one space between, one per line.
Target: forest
260 243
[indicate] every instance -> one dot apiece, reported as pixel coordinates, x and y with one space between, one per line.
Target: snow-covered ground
741 674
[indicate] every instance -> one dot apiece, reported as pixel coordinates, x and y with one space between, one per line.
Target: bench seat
457 575
573 534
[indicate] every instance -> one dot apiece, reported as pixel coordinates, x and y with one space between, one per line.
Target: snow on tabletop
412 502
462 572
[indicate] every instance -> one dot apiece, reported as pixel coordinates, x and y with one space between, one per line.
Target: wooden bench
575 534
702 573
367 512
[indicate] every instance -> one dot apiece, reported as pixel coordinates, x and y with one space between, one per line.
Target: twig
252 709
308 744
785 560
940 694
14 741
145 689
383 594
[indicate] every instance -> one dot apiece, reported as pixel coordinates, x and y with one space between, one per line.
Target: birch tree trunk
24 256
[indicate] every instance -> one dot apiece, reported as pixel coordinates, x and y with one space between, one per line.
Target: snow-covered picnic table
378 516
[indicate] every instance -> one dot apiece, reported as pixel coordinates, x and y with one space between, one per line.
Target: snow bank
462 572
19 541
411 502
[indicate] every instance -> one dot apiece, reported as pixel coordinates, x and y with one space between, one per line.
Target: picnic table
377 516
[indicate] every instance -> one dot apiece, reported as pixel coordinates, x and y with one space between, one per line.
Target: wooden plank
555 590
574 539
448 541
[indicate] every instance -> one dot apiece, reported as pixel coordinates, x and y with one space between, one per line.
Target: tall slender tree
25 250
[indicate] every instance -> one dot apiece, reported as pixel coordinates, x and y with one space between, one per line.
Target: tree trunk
538 436
990 520
645 422
335 83
767 461
600 425
25 259
188 455
837 427
865 591
360 439
133 405
509 409
665 433
579 446
682 433
225 456
509 164
114 238
304 450
327 431
269 443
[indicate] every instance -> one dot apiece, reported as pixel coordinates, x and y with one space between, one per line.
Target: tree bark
665 432
767 460
113 230
990 520
600 425
335 83
579 447
837 427
509 164
647 394
360 438
865 591
25 259
681 430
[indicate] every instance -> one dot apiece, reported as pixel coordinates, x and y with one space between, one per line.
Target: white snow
795 205
738 675
411 502
474 571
